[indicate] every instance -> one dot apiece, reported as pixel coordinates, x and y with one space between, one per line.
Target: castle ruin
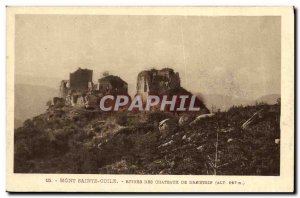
155 82
81 91
164 82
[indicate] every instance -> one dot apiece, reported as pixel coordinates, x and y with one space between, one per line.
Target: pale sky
236 56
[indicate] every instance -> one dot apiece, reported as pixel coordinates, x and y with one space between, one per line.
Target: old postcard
150 99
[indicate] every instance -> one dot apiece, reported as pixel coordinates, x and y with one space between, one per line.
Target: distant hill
30 100
222 102
269 99
37 80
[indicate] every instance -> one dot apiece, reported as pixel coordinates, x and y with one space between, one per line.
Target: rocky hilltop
73 136
80 90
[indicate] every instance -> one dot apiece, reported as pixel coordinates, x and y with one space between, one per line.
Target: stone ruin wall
157 81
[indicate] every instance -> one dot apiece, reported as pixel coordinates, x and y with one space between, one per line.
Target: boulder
167 144
200 117
229 140
58 102
167 126
185 120
227 130
200 148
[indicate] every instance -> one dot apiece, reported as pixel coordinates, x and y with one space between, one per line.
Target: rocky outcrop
167 126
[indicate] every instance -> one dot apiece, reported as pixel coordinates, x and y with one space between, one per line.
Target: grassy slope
65 140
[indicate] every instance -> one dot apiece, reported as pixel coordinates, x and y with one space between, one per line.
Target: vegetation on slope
69 140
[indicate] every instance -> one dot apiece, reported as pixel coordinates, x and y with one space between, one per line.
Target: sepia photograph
150 93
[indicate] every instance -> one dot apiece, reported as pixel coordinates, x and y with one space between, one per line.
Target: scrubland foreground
241 141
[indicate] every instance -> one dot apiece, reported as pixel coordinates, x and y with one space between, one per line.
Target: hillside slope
68 140
223 102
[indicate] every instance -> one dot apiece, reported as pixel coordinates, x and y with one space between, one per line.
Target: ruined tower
80 79
165 82
112 85
157 81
